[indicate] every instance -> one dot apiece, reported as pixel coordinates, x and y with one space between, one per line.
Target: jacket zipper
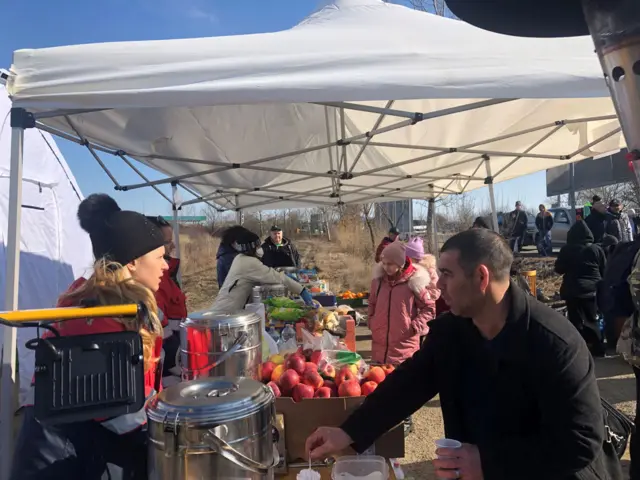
386 350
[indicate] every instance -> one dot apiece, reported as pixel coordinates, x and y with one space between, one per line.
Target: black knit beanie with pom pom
118 235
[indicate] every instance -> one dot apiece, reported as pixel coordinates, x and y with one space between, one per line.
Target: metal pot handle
239 342
241 460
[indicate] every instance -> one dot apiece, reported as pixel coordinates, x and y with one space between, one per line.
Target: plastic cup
447 443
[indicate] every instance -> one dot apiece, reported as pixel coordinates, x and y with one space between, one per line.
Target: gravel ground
615 379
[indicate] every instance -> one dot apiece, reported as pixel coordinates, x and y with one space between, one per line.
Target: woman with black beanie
247 271
129 252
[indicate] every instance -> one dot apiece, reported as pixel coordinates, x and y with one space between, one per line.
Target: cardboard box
302 418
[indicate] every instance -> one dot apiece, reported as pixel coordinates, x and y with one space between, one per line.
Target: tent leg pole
20 119
492 196
176 225
434 227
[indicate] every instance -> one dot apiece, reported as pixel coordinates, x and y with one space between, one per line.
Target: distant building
398 214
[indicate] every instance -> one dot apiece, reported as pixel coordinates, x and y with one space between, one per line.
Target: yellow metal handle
69 313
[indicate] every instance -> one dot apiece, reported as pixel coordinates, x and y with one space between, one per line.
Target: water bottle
273 333
288 332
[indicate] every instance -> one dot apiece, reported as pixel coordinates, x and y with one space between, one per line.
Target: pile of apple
307 374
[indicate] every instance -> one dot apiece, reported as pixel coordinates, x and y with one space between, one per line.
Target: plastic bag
324 342
290 346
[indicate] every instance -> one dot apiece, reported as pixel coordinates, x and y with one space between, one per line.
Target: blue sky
46 23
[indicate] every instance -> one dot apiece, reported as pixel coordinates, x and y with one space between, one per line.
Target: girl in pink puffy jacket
401 303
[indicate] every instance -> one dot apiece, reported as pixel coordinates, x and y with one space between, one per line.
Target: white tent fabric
213 111
54 249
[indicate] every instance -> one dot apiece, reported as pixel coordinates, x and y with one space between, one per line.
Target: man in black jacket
518 222
279 251
516 381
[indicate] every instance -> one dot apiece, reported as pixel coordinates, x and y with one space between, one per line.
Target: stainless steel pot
212 428
214 345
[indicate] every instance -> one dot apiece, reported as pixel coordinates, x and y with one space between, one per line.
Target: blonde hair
109 285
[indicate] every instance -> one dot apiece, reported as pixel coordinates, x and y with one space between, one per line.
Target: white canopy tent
363 101
54 250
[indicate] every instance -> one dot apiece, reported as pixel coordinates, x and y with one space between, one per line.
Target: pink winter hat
395 253
415 248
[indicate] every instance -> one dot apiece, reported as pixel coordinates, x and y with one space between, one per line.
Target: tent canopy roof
362 101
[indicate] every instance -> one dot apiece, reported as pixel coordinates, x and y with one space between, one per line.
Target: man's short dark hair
480 246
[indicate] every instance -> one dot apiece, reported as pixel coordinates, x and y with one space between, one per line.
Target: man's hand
326 441
463 462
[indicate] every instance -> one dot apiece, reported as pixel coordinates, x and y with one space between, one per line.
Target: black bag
614 297
618 428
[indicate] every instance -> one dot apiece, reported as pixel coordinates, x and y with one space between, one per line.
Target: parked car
562 222
531 234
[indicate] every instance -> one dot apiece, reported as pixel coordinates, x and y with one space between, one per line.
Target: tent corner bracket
20 118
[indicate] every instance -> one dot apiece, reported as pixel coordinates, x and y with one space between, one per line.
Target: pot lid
214 319
210 400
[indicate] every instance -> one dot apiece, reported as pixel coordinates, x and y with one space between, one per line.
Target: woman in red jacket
172 302
129 252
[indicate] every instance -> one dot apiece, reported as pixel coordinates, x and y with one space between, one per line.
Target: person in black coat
582 263
516 382
601 222
279 251
518 221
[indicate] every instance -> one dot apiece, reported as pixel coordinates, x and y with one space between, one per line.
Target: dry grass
198 253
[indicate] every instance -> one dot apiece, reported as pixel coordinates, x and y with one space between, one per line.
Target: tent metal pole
467 160
492 198
369 109
432 209
20 119
143 176
417 116
175 206
64 113
446 150
330 150
376 125
342 165
342 142
534 145
595 142
469 181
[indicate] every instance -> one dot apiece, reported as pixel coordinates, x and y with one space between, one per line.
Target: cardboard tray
302 418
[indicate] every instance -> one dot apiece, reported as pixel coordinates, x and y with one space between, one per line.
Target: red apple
324 392
310 367
275 389
295 362
368 387
277 373
388 369
328 371
317 356
349 388
301 391
376 374
266 370
307 354
288 381
313 379
344 375
331 385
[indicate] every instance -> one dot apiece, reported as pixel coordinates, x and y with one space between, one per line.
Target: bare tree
439 7
367 209
628 193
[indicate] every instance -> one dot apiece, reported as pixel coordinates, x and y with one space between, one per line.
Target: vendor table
325 473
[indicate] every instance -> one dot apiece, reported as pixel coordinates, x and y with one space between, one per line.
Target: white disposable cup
447 443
